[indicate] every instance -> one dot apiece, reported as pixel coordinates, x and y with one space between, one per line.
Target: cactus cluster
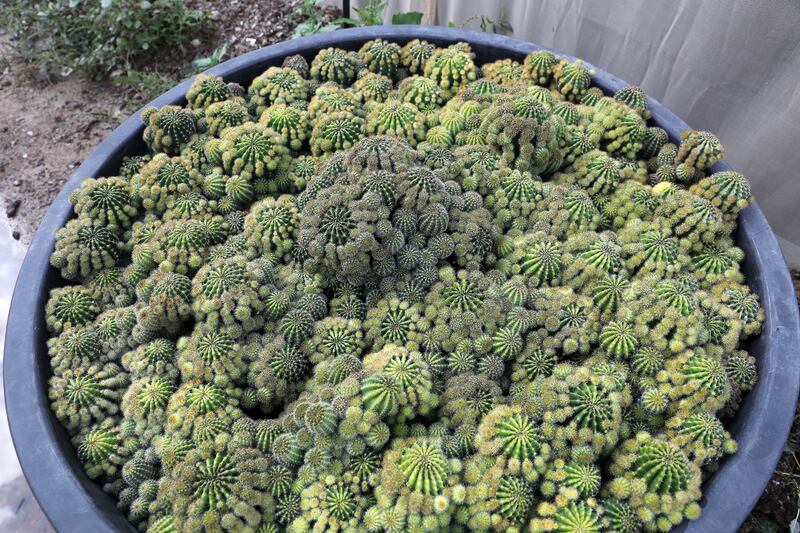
394 290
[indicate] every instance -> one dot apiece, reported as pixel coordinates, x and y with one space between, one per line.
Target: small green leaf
450 24
329 27
203 63
412 17
304 28
347 20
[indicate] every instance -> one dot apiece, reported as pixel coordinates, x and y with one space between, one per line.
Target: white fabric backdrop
727 66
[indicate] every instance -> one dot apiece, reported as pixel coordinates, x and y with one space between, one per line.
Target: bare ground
46 130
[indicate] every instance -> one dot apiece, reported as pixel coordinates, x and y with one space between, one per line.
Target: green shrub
60 36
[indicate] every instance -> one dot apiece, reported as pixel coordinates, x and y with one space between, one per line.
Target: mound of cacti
396 290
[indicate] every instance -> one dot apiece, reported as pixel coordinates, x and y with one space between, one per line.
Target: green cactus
206 90
397 289
540 66
450 68
253 149
225 114
335 65
395 118
276 85
168 128
381 57
373 87
84 247
414 55
337 131
571 79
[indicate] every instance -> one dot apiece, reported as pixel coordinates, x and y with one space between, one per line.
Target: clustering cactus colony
395 290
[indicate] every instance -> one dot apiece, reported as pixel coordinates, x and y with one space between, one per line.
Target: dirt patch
46 130
242 25
247 25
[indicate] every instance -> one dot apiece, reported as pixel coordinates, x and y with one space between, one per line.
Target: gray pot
73 503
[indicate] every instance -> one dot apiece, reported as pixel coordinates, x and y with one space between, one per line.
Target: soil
246 25
47 129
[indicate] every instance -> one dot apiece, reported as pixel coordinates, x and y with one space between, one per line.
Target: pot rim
74 503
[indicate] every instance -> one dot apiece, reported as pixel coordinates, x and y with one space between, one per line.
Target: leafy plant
204 63
370 15
410 17
314 17
60 36
144 86
487 23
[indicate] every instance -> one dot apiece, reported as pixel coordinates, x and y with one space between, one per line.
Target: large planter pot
73 503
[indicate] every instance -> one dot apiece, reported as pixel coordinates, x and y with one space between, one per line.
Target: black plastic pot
73 503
